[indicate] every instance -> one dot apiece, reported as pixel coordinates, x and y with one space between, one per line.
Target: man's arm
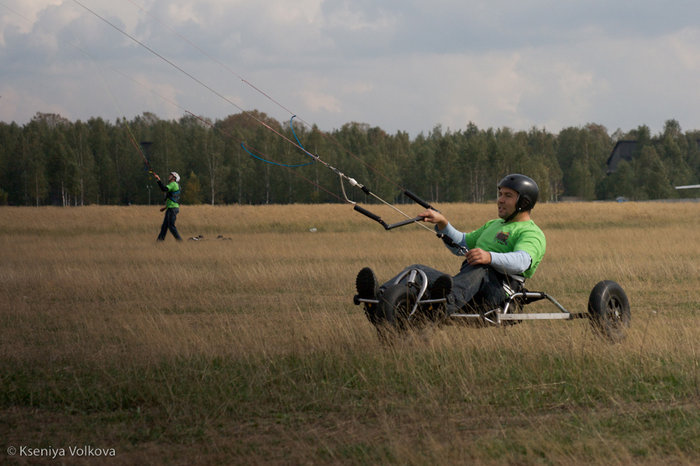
453 238
160 183
511 263
162 186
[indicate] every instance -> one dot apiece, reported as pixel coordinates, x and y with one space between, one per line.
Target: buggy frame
406 303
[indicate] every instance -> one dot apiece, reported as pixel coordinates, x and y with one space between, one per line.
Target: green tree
51 160
35 160
86 185
475 163
673 152
104 173
192 190
652 176
622 183
11 163
419 171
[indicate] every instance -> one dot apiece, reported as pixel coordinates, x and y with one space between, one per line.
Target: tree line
53 161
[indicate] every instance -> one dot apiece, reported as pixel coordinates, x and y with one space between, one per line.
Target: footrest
357 300
545 316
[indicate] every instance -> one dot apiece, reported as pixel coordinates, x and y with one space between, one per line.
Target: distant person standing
172 205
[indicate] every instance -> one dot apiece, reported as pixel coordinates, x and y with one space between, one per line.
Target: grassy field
247 349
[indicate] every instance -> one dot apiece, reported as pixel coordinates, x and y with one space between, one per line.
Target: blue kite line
291 125
275 163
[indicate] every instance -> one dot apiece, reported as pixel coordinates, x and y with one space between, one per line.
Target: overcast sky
402 65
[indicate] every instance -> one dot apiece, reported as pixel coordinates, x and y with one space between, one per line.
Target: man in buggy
500 255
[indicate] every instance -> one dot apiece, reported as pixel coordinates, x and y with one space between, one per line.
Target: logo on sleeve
502 237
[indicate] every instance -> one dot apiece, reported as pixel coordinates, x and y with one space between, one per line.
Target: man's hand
162 209
433 216
155 175
478 257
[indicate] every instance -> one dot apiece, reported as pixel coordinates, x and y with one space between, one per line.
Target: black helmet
525 187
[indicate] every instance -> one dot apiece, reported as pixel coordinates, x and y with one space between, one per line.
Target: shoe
442 287
367 288
366 284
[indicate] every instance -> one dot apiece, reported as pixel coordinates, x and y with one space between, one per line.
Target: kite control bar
459 250
386 226
378 219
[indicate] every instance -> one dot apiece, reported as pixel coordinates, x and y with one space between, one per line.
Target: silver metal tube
542 316
412 274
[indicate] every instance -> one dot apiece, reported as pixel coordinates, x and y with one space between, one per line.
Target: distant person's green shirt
173 195
498 236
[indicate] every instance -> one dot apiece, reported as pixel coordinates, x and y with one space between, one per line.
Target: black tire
609 310
395 305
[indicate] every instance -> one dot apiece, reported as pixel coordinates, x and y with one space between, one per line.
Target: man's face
507 198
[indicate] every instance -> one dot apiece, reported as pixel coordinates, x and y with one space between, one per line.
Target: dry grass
249 350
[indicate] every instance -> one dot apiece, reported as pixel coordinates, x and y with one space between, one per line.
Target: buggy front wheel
396 305
609 310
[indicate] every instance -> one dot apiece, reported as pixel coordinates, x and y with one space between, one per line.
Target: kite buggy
406 304
490 287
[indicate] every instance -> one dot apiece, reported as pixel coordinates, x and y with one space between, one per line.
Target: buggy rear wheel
609 310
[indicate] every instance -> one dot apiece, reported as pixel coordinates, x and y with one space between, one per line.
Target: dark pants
169 224
474 288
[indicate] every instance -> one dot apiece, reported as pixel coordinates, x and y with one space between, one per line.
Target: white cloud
320 102
22 13
400 65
